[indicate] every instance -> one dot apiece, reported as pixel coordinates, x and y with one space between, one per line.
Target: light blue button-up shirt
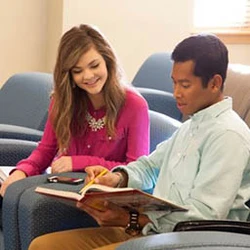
204 166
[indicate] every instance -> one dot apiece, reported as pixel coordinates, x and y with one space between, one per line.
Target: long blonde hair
69 102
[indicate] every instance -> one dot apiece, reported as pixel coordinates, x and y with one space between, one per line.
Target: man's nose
177 92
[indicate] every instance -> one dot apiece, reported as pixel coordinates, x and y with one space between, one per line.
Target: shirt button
88 146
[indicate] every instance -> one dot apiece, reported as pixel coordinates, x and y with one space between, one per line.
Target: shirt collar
213 110
97 113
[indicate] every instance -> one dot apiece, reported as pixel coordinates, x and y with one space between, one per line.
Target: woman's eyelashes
95 66
78 71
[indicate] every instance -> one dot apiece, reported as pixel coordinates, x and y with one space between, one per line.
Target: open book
128 198
3 176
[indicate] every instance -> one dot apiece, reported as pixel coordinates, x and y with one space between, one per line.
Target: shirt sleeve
218 190
217 186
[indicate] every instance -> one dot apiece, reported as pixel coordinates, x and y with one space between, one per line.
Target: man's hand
112 216
15 176
62 164
109 179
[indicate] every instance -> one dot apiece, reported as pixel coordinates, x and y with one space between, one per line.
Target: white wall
239 53
31 29
138 28
30 32
54 32
23 25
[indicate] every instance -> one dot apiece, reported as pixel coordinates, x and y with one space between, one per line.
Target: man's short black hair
209 54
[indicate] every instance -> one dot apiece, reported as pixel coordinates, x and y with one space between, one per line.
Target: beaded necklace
95 124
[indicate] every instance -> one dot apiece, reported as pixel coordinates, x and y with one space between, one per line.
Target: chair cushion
237 85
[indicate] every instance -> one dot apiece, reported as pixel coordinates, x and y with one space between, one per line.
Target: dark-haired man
209 152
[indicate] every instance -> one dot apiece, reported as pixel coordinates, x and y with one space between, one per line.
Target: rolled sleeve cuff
155 226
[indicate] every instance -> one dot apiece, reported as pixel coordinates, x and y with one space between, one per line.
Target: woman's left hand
62 164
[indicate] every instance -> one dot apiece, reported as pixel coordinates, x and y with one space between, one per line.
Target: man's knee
44 242
36 244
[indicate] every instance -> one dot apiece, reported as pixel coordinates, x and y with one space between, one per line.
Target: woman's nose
87 75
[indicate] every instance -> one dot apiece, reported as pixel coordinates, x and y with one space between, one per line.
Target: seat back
161 128
155 73
161 101
12 151
24 100
237 85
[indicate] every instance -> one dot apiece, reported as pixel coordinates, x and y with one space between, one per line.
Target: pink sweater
94 148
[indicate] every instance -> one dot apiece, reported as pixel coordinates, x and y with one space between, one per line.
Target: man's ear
216 83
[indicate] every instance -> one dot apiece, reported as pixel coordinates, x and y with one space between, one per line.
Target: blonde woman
94 119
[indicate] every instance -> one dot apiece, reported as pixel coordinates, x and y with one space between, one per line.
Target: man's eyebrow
180 80
184 80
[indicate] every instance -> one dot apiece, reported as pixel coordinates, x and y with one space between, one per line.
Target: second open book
129 198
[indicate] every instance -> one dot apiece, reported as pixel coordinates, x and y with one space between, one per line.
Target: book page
3 175
102 188
95 188
59 193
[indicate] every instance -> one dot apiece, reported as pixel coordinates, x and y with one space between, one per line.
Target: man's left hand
112 216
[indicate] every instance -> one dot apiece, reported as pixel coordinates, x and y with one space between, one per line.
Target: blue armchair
155 73
161 128
209 240
153 81
12 151
162 102
24 101
27 214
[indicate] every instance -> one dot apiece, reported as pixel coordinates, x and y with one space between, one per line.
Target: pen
92 182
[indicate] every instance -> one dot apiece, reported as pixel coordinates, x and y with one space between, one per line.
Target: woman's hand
62 164
15 176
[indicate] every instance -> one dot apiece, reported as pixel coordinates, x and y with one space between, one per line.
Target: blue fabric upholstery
155 73
27 214
12 151
24 101
1 241
161 128
161 101
153 81
189 240
20 133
